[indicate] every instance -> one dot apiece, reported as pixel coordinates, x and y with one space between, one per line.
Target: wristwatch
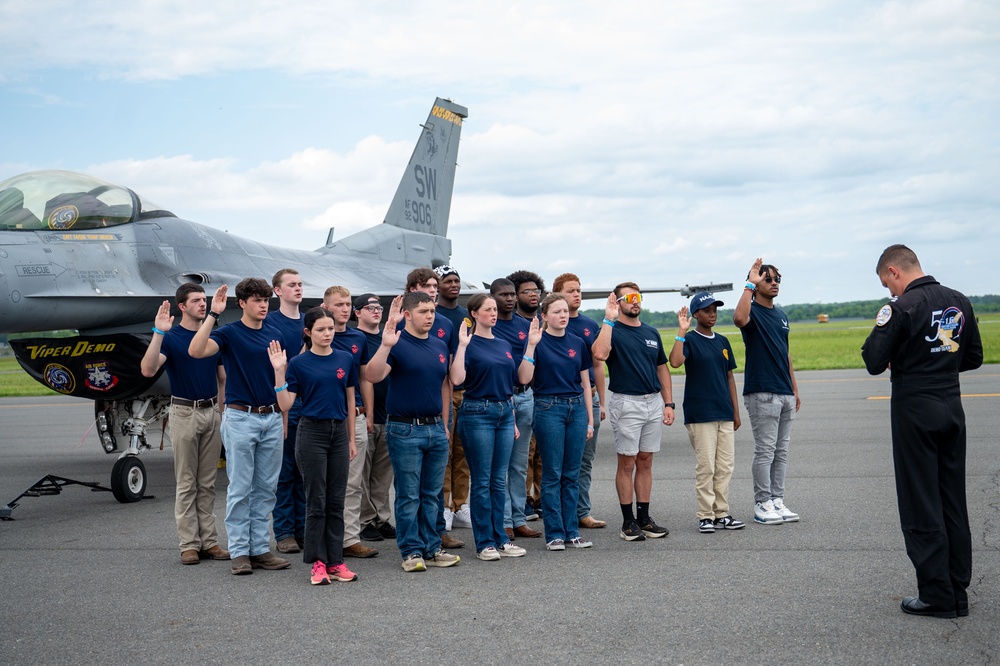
670 405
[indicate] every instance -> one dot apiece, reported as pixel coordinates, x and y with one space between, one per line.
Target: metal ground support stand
47 485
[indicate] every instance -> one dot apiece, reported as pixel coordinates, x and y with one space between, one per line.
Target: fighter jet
98 259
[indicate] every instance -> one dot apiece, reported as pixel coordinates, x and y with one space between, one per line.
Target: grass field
832 346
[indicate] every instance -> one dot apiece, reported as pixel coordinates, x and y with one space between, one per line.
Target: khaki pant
355 474
376 480
713 445
194 435
456 473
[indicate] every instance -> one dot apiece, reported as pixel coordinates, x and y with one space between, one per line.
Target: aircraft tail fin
423 199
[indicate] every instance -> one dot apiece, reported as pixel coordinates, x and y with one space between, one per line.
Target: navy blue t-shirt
442 330
636 353
707 363
587 329
455 315
354 342
291 332
190 378
488 366
249 374
515 332
419 366
321 383
381 390
558 363
766 340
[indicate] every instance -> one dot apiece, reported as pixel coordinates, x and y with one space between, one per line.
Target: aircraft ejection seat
13 214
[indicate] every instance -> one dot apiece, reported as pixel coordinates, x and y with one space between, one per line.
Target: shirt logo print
586 332
340 373
442 358
509 356
572 353
440 332
354 349
521 335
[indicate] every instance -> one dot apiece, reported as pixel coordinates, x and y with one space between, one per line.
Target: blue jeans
290 499
418 455
583 505
771 416
560 433
486 428
517 471
253 462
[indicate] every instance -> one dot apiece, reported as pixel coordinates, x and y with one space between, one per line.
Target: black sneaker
729 523
632 532
387 530
706 525
371 533
654 531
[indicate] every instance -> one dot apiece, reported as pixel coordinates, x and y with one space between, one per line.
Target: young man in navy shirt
711 412
252 429
337 300
641 401
195 387
415 430
290 499
587 329
770 393
514 329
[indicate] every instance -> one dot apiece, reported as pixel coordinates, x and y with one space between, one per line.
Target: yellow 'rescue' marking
446 115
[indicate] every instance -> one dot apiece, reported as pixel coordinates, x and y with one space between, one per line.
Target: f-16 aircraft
83 255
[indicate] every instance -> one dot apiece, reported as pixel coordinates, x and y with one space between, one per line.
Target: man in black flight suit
927 334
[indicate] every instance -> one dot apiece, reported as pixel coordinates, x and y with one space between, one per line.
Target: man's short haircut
338 290
251 287
626 285
185 290
520 277
900 256
499 284
412 299
276 280
419 276
560 282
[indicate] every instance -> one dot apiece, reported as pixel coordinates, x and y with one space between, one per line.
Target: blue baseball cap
703 299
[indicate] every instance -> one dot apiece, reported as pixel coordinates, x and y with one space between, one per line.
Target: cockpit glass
61 201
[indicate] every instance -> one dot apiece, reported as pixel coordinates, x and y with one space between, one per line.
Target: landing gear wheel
128 480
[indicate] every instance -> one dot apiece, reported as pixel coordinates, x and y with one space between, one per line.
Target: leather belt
267 409
521 388
358 411
197 404
419 421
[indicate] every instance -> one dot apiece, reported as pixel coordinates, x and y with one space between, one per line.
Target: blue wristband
528 359
750 285
279 389
608 322
156 330
678 338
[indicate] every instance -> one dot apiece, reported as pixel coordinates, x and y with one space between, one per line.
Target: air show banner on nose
91 366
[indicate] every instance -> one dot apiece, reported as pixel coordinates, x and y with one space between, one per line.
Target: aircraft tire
128 480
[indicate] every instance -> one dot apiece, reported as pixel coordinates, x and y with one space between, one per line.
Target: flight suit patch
884 315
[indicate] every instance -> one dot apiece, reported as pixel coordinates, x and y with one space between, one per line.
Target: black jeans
323 455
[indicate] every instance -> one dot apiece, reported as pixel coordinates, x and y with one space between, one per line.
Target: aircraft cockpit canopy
64 200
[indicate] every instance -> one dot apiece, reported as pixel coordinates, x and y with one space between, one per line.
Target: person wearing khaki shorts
711 410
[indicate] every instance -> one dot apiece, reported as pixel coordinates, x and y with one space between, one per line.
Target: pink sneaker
319 575
341 573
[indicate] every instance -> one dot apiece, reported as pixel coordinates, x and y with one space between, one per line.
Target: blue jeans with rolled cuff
486 428
560 428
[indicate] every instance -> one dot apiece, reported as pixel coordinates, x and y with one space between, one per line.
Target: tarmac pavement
87 580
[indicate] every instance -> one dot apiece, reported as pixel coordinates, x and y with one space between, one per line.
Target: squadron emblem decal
884 315
63 217
59 378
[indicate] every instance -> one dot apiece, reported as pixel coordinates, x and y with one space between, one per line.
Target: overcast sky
665 142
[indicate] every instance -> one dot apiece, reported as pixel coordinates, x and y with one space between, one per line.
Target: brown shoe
241 566
449 541
190 557
269 561
216 552
510 533
592 523
289 545
526 532
359 550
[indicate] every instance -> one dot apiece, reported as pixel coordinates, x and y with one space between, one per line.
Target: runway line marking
964 395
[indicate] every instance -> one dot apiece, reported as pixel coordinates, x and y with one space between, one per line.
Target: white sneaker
510 549
488 554
448 519
764 513
787 515
462 517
